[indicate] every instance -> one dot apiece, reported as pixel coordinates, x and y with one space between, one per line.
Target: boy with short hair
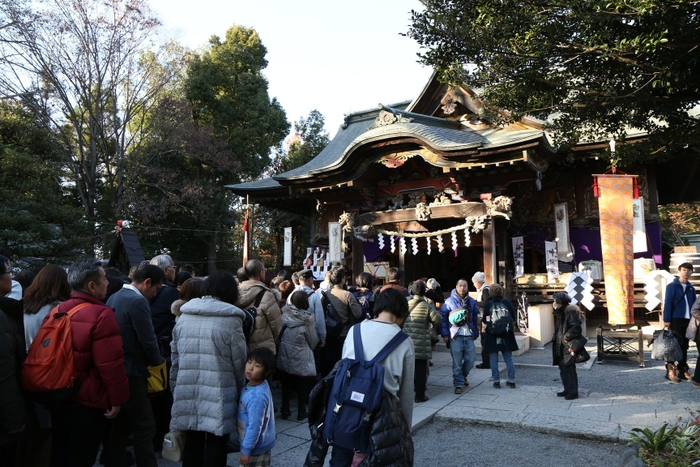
256 413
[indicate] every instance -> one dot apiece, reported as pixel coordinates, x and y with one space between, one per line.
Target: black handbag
576 351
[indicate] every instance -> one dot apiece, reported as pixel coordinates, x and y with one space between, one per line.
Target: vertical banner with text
287 247
518 257
334 243
616 206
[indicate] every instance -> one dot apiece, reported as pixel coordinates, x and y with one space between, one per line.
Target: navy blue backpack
355 395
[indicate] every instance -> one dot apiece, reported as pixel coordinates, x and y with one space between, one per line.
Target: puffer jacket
295 354
455 302
567 327
98 351
13 404
268 322
208 371
422 315
390 436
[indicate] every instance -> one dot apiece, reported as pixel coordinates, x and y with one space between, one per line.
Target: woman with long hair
49 288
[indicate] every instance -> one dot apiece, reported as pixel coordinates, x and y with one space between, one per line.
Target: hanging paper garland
441 247
454 241
467 238
428 246
414 246
392 243
402 242
380 240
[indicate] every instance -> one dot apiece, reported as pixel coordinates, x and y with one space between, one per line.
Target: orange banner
617 240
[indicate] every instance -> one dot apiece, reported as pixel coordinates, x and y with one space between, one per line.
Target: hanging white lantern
414 246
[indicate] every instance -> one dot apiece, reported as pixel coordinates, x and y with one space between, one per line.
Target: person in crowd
325 283
422 315
25 279
306 284
191 288
256 413
207 374
459 330
349 312
268 322
241 276
394 277
295 357
434 292
188 269
141 350
16 291
285 289
482 296
114 285
13 407
391 310
363 294
692 334
504 344
680 297
181 277
49 288
163 324
77 427
295 278
567 327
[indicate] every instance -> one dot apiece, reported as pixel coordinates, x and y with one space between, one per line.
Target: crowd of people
220 376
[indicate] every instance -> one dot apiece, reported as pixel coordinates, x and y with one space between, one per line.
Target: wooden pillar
358 259
580 196
490 270
503 253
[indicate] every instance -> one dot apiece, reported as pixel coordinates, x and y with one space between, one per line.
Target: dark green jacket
422 315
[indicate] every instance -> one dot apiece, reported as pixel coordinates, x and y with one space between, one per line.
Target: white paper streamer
454 241
428 246
392 244
414 246
467 238
380 240
402 243
441 246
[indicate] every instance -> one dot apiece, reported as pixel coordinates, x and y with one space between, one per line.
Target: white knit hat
479 277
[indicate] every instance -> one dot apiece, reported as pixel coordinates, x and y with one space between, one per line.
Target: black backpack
250 314
501 320
334 325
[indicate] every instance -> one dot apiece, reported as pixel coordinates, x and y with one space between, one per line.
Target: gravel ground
449 444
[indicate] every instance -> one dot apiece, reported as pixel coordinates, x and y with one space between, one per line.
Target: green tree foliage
309 139
227 90
78 64
602 66
38 215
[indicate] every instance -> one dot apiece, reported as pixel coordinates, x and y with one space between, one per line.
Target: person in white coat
208 371
295 356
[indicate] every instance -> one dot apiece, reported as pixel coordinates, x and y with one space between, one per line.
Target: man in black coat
163 324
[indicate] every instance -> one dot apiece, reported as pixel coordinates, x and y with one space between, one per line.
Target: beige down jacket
295 354
268 322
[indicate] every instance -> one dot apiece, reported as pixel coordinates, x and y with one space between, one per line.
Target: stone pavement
614 398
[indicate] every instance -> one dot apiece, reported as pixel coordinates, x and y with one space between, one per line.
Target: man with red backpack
78 425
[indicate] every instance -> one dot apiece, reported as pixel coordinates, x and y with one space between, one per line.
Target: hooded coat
208 370
295 353
268 322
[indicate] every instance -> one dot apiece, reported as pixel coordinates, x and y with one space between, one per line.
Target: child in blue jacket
256 414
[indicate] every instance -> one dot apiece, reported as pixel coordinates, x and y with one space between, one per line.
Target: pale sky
336 57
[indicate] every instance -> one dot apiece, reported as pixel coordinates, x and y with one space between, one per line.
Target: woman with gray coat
422 315
208 372
295 357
